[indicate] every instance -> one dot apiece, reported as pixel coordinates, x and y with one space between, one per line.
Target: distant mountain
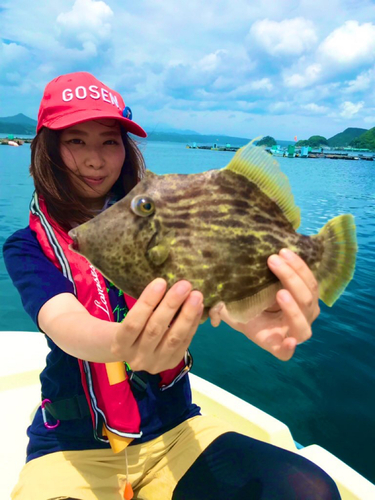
21 124
315 141
267 141
169 130
343 139
19 119
189 138
365 141
17 124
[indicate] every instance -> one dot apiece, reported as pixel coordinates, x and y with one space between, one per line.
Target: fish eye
142 205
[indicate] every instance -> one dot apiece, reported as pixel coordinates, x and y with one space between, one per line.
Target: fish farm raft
293 152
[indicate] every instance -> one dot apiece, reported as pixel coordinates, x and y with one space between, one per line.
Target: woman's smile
95 181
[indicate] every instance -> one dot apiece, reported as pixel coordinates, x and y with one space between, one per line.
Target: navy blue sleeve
36 278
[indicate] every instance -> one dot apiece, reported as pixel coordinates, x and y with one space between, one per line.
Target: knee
313 483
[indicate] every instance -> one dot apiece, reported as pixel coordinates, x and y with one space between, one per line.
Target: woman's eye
111 142
142 205
75 141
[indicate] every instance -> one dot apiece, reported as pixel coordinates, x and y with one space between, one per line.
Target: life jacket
113 407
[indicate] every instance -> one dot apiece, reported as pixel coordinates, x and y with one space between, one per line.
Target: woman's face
94 153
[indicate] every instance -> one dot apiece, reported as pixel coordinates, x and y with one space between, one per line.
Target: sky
243 68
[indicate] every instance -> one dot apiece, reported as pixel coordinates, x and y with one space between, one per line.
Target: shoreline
16 141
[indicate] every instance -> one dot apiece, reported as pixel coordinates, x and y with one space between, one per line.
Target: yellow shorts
154 467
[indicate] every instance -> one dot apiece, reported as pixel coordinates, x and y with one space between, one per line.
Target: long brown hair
52 181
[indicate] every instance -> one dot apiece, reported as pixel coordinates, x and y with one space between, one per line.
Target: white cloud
256 87
349 109
280 107
315 108
214 61
351 43
289 37
87 24
11 73
11 52
362 82
300 80
172 59
215 73
264 83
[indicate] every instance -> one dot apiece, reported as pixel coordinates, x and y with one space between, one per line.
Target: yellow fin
338 261
159 252
263 170
246 309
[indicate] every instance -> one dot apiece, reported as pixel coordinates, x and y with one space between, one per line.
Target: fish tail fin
338 261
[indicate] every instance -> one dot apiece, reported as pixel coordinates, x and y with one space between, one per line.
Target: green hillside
267 141
17 124
343 139
365 141
315 141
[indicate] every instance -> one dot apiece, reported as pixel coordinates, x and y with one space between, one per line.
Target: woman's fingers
217 313
295 322
178 337
137 318
298 301
163 315
148 337
302 269
297 278
283 348
295 330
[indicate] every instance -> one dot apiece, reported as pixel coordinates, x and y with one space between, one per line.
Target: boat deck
20 395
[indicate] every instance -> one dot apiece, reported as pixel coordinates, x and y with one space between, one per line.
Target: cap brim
68 120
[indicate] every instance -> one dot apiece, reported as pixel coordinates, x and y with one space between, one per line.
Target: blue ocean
325 394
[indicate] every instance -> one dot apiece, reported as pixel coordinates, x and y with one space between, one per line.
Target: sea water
325 394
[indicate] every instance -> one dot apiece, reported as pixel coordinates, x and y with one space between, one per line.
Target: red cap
78 97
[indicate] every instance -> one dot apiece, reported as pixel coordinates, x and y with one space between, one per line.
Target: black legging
237 467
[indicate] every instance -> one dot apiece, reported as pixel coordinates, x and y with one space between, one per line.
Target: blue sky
246 68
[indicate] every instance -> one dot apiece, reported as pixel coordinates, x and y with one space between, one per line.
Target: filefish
216 229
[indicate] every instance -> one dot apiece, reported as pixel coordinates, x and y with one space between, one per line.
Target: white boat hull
24 358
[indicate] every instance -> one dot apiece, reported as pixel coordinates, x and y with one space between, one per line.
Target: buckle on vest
137 382
46 424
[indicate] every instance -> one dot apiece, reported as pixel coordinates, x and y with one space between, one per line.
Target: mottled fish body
215 229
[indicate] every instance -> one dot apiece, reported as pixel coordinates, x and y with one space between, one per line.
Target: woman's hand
160 326
280 328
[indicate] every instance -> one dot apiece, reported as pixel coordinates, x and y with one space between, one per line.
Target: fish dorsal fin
263 170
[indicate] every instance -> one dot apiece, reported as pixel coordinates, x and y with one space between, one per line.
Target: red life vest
114 410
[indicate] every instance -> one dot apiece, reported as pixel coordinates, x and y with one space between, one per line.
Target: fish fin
337 266
246 309
159 253
263 170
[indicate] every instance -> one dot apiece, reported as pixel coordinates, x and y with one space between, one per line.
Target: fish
216 229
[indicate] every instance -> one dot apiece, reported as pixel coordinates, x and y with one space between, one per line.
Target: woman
105 428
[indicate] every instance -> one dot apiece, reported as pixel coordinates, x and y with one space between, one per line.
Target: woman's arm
144 339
